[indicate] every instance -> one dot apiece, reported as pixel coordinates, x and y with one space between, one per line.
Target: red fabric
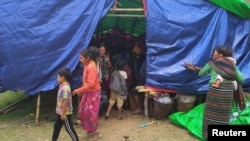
160 90
89 110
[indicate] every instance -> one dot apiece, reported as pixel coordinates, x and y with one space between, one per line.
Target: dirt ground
26 129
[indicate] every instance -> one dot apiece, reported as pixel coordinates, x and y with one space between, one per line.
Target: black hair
94 52
102 45
86 54
66 73
120 64
224 50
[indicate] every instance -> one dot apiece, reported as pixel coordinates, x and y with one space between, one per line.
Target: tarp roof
39 37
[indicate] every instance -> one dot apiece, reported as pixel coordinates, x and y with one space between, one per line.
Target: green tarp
192 120
239 7
127 20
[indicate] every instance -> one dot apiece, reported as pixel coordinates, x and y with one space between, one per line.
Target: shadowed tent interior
123 26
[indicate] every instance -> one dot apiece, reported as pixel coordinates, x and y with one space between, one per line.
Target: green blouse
207 69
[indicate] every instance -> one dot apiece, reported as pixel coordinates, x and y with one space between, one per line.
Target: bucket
162 110
185 102
184 107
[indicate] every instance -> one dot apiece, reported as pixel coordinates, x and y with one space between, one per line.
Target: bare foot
214 85
78 121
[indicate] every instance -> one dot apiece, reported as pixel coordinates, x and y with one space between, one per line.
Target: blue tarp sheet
39 37
179 30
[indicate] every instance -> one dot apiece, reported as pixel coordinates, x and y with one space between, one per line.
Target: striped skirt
218 106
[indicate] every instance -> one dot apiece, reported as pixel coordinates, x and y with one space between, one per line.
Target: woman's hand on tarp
190 66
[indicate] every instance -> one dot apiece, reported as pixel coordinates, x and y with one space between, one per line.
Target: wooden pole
146 105
146 91
126 15
127 9
38 107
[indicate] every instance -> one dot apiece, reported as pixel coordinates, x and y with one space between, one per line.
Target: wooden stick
38 107
146 124
146 105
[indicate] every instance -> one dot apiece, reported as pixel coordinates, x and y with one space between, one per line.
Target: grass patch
10 97
28 108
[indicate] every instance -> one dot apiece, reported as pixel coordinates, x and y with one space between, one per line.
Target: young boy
118 95
64 107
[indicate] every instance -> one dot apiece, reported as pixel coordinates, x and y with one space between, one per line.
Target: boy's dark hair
66 73
120 64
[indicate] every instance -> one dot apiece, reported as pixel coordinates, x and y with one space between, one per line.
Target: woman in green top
219 100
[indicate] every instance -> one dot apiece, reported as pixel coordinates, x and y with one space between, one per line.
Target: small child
118 97
226 52
64 107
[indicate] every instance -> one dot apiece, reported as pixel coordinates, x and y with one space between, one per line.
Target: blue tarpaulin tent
39 37
190 30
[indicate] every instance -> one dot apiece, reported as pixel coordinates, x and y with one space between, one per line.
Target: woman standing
105 64
90 92
219 101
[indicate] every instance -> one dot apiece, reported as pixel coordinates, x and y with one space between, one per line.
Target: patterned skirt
89 110
218 106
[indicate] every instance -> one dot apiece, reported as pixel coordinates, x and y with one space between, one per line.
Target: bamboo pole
124 15
127 9
38 107
146 91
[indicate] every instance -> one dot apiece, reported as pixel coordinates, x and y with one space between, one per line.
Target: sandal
121 117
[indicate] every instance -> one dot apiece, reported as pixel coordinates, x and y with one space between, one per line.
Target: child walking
118 90
64 107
